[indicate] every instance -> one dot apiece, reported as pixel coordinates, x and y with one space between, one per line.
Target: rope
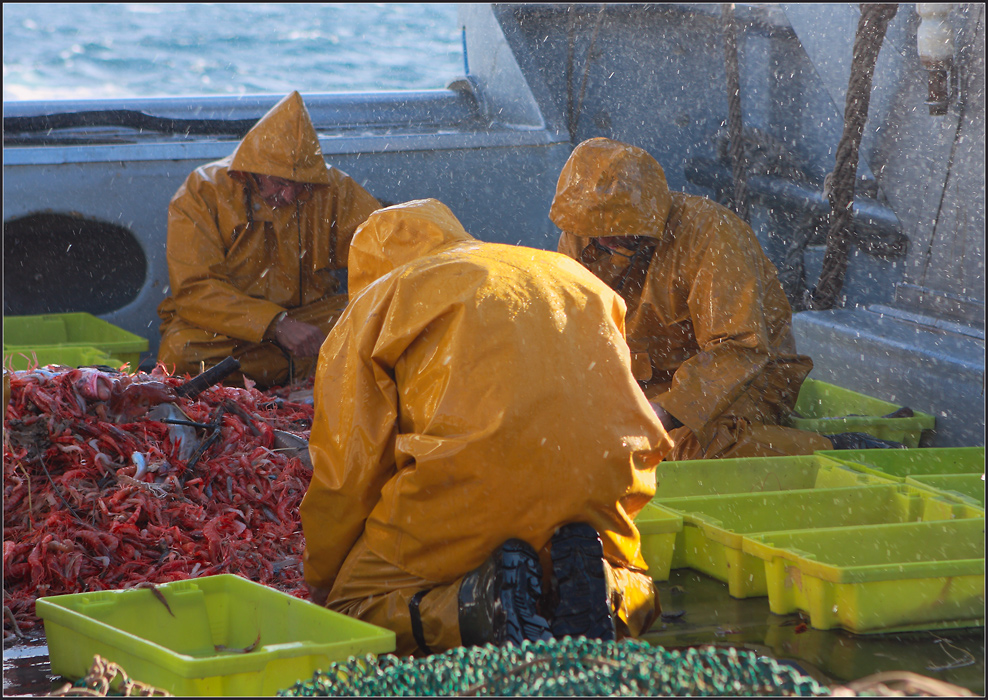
570 666
734 123
101 675
573 117
867 42
898 684
570 46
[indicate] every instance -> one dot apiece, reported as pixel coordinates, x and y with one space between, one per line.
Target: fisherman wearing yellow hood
254 245
708 323
458 467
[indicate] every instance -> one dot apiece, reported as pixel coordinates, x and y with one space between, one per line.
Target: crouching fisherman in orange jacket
709 326
465 488
255 242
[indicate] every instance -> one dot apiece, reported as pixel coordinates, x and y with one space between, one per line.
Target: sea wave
91 51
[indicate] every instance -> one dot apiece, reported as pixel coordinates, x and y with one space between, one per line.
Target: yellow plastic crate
899 464
964 487
198 648
932 468
658 528
715 526
72 330
711 477
21 358
828 409
878 578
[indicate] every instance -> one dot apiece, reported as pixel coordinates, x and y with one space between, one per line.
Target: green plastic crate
73 330
898 464
829 409
878 578
178 653
658 528
715 526
711 477
965 487
20 358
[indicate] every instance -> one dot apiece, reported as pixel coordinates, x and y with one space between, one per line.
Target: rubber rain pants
448 421
708 324
235 263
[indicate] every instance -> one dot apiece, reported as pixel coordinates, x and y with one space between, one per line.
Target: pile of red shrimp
97 495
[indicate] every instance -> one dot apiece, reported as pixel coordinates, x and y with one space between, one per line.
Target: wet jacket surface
234 262
708 323
459 402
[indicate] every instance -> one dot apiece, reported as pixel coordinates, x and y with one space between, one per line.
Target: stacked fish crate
864 540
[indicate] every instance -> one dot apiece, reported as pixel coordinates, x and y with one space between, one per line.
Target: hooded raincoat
448 419
708 323
235 263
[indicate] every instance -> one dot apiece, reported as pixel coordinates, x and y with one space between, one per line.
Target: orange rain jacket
708 323
447 415
234 262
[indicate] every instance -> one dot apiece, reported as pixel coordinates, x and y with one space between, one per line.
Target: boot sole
578 565
518 585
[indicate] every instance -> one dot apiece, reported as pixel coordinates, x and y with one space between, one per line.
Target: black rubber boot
862 441
498 599
578 567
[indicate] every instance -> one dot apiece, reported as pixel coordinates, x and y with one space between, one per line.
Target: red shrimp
267 433
39 572
91 384
13 550
109 540
13 497
74 474
94 541
44 400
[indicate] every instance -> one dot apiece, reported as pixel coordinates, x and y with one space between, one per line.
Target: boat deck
699 611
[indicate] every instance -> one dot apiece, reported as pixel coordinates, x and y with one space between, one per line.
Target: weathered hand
298 338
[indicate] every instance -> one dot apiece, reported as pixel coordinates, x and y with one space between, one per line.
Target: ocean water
84 51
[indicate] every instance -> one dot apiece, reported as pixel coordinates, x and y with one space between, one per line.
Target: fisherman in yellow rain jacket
255 242
458 467
708 324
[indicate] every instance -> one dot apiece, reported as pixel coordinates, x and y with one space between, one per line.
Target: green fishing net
566 667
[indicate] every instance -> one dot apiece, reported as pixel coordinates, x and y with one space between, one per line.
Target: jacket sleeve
358 204
726 309
352 439
197 270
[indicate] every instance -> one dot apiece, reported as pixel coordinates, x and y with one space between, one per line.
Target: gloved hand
861 441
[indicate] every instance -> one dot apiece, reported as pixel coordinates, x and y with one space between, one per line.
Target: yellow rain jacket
708 323
234 262
460 402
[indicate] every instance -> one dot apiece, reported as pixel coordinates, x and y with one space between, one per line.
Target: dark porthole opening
63 263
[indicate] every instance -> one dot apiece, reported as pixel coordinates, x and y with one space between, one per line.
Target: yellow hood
452 400
609 188
283 144
399 234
